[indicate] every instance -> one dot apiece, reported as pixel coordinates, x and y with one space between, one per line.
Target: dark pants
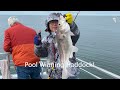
74 40
28 72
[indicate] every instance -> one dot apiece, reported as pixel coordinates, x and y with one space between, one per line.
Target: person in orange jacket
19 40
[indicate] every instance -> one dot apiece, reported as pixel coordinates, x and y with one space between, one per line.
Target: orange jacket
19 40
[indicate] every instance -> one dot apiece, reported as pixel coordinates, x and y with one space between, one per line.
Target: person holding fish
52 45
74 29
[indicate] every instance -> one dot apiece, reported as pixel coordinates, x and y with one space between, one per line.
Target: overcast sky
96 13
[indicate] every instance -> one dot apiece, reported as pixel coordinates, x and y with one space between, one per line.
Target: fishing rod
76 16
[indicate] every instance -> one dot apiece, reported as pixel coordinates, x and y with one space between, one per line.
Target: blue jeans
28 72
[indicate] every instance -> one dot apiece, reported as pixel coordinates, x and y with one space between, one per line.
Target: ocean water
99 40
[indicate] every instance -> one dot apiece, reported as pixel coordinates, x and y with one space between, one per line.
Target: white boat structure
88 72
116 19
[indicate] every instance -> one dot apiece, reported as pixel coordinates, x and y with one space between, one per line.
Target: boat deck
93 72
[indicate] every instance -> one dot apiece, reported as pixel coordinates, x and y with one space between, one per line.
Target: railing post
8 58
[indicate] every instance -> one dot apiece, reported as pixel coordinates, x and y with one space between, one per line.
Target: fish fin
71 34
64 72
69 69
69 72
74 49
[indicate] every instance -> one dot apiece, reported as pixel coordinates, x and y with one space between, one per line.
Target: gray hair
12 20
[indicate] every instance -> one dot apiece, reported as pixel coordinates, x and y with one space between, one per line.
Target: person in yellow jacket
75 30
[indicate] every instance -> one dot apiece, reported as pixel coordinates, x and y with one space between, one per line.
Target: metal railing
101 70
113 75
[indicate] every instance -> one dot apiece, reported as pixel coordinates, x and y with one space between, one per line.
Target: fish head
63 26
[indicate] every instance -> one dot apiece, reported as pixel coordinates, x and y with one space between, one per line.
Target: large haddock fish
65 46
